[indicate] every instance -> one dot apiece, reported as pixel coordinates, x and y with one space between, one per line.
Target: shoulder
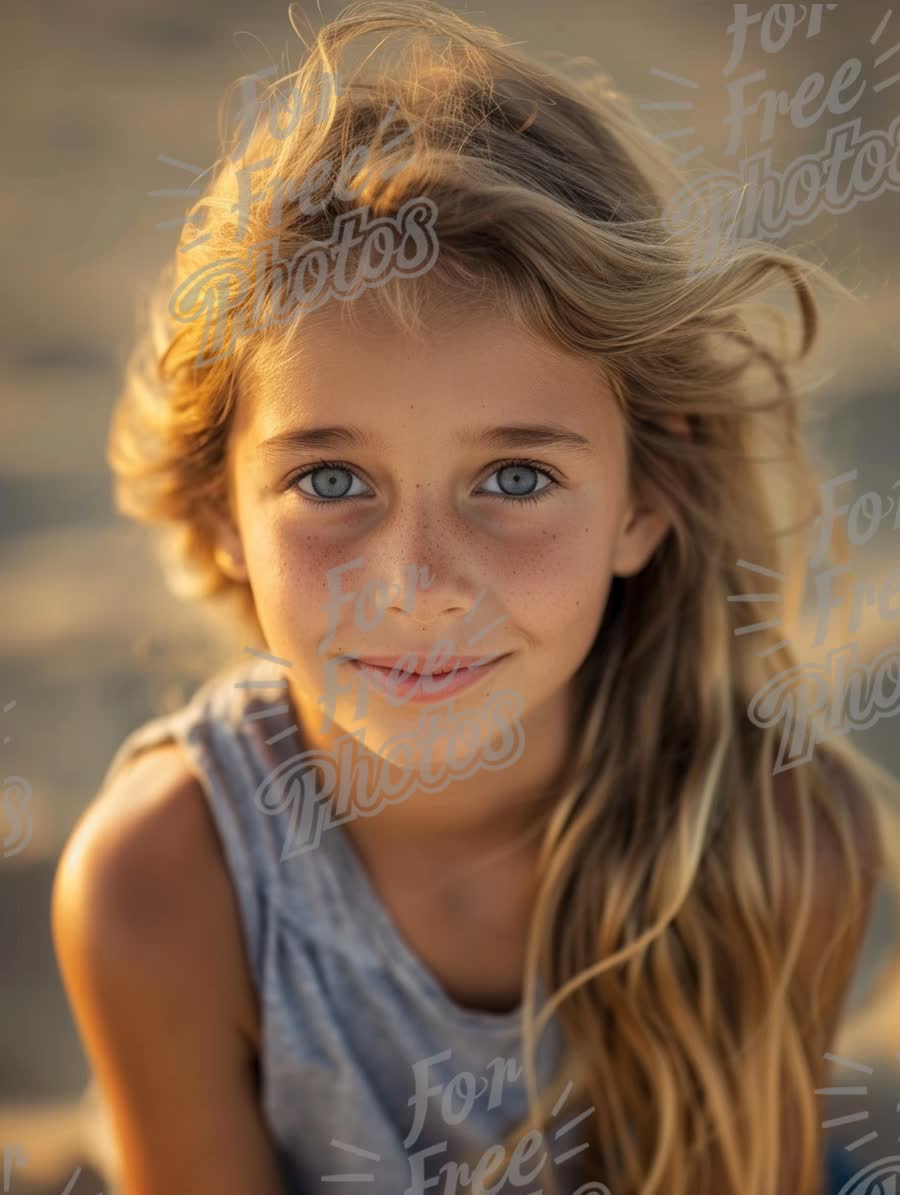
144 845
142 885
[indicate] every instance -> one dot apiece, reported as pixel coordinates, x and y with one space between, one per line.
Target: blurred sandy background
91 644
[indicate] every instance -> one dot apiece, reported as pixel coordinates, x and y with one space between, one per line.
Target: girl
473 873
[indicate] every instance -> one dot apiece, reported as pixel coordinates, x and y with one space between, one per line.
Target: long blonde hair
676 885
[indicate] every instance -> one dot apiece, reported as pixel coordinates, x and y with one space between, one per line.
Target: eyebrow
514 435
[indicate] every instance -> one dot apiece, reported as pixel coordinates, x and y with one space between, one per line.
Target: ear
228 550
645 525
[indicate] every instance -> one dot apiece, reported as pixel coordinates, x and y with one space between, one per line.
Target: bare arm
145 927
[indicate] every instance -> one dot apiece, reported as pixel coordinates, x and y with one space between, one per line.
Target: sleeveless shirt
370 1076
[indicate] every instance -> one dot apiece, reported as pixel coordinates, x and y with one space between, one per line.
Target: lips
394 680
417 664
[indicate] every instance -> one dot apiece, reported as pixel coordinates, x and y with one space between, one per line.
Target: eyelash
537 497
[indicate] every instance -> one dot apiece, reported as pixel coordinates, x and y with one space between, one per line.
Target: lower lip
423 689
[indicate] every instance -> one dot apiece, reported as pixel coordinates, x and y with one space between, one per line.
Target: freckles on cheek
289 574
563 575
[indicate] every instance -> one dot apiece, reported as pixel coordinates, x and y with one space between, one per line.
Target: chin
433 744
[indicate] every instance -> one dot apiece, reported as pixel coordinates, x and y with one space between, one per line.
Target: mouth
394 677
413 664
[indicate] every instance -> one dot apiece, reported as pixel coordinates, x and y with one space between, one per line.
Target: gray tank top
371 1077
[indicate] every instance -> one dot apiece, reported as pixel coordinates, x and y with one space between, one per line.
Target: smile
422 686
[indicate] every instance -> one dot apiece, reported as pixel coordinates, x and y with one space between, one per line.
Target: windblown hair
680 884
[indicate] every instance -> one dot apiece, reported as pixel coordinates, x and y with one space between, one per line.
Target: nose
424 595
421 557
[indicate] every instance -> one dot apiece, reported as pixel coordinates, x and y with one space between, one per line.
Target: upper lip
419 663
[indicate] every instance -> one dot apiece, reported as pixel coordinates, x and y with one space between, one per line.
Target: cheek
559 583
288 571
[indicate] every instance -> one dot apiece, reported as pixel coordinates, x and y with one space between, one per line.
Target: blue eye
336 482
515 474
335 485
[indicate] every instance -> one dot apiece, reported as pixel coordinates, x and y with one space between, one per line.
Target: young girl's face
418 488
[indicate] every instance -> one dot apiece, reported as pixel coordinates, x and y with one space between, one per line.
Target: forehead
465 369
